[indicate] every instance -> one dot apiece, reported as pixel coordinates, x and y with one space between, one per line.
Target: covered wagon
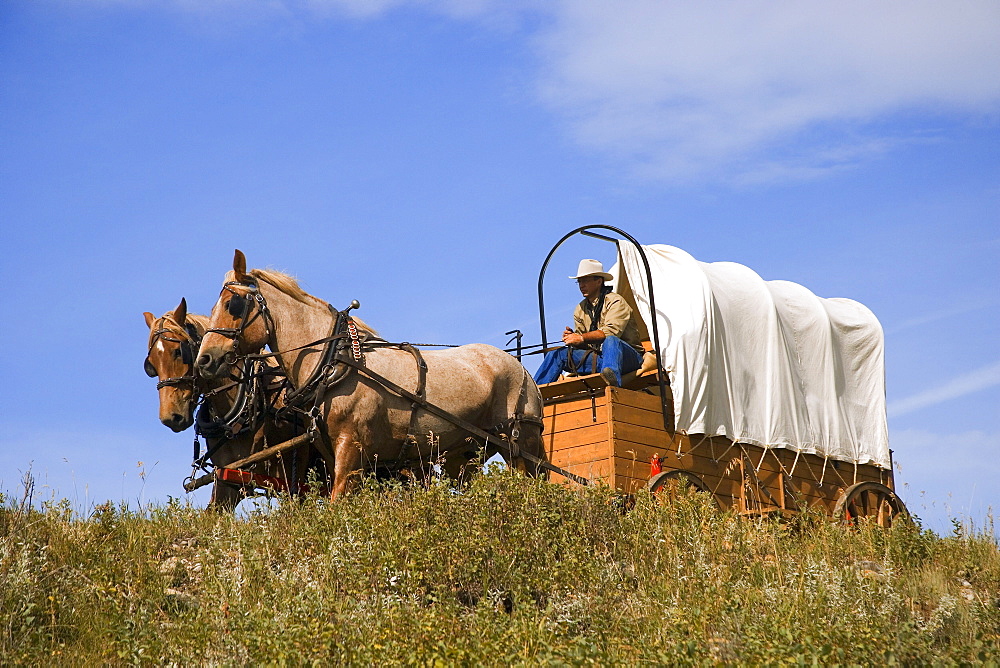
759 393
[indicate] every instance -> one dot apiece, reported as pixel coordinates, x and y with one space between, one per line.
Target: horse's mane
289 286
200 322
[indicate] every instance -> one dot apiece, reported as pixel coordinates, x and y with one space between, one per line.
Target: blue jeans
615 355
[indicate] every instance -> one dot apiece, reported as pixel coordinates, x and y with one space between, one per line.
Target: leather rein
312 389
343 351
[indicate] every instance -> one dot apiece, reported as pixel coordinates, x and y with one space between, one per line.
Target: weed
509 570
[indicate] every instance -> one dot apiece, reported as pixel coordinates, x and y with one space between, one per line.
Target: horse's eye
150 369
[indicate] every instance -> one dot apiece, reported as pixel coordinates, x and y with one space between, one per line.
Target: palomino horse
362 423
174 338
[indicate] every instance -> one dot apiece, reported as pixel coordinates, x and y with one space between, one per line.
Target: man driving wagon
604 338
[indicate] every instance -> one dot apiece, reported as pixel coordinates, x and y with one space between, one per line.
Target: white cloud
458 9
980 379
763 90
935 316
948 475
747 92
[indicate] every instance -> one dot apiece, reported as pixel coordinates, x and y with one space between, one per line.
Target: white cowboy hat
592 268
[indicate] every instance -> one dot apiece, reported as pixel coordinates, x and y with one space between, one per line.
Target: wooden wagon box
611 434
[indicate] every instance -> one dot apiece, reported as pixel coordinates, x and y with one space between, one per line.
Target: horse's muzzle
212 364
177 422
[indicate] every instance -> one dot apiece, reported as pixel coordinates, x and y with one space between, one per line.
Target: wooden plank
634 381
575 418
765 487
625 401
622 431
803 483
782 459
761 461
582 417
580 455
597 433
576 402
708 456
688 461
798 491
599 471
638 416
630 468
624 397
573 385
631 429
842 471
718 478
728 494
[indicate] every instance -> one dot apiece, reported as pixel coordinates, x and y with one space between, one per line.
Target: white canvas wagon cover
763 362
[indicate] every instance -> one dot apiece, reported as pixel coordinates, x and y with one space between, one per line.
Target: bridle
188 344
239 308
343 352
343 339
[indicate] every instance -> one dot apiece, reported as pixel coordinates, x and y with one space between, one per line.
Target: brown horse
364 424
174 339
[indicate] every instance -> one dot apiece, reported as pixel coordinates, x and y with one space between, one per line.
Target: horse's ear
240 265
150 319
180 313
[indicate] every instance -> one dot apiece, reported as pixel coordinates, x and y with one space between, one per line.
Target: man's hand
571 338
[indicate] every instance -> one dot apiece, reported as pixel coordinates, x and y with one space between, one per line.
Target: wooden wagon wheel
685 480
868 499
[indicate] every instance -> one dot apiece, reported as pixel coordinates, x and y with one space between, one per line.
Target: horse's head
173 342
237 326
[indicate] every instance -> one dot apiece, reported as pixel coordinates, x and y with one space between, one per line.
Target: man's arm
581 336
571 338
612 323
616 316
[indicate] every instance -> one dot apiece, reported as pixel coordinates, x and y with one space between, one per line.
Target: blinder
185 350
238 306
187 357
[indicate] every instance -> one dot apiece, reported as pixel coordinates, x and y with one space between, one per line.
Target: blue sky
423 156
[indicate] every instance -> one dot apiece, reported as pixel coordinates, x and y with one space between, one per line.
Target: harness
188 344
343 351
255 400
239 308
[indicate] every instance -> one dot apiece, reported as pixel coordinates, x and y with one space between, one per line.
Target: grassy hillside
512 571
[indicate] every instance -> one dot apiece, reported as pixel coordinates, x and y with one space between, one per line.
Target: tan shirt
616 319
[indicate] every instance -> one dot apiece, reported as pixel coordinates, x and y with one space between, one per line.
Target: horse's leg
462 462
347 463
225 497
326 453
295 470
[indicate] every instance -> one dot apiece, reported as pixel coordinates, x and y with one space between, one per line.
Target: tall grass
511 571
